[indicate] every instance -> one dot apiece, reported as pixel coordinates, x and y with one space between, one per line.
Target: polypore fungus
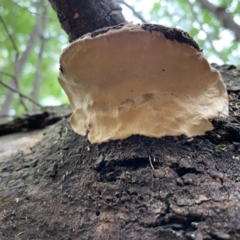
140 79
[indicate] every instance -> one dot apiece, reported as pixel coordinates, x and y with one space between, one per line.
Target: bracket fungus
140 79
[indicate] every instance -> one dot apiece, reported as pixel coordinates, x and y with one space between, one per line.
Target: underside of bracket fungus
140 79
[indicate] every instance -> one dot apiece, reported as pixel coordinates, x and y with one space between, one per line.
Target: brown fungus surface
140 79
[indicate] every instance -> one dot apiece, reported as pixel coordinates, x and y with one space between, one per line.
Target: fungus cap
140 79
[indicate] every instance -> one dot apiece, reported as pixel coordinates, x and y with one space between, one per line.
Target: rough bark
63 187
172 188
80 17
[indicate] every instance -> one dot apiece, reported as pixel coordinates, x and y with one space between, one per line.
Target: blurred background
32 40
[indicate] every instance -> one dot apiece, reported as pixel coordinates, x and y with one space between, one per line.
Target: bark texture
172 188
80 17
63 187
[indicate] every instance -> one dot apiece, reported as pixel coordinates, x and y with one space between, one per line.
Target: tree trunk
80 17
59 186
37 78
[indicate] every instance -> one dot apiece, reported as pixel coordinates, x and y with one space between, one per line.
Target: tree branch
9 34
223 16
137 14
195 15
33 13
80 17
37 78
18 92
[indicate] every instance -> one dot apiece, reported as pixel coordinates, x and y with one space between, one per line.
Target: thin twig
9 34
7 74
201 27
137 14
17 89
150 160
20 94
33 13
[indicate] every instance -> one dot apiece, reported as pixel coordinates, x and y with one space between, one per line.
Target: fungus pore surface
140 79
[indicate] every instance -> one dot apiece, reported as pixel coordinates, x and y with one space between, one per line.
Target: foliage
219 44
21 18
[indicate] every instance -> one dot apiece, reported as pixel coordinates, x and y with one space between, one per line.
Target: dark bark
80 17
36 120
172 188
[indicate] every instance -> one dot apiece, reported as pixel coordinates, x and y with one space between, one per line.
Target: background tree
30 49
